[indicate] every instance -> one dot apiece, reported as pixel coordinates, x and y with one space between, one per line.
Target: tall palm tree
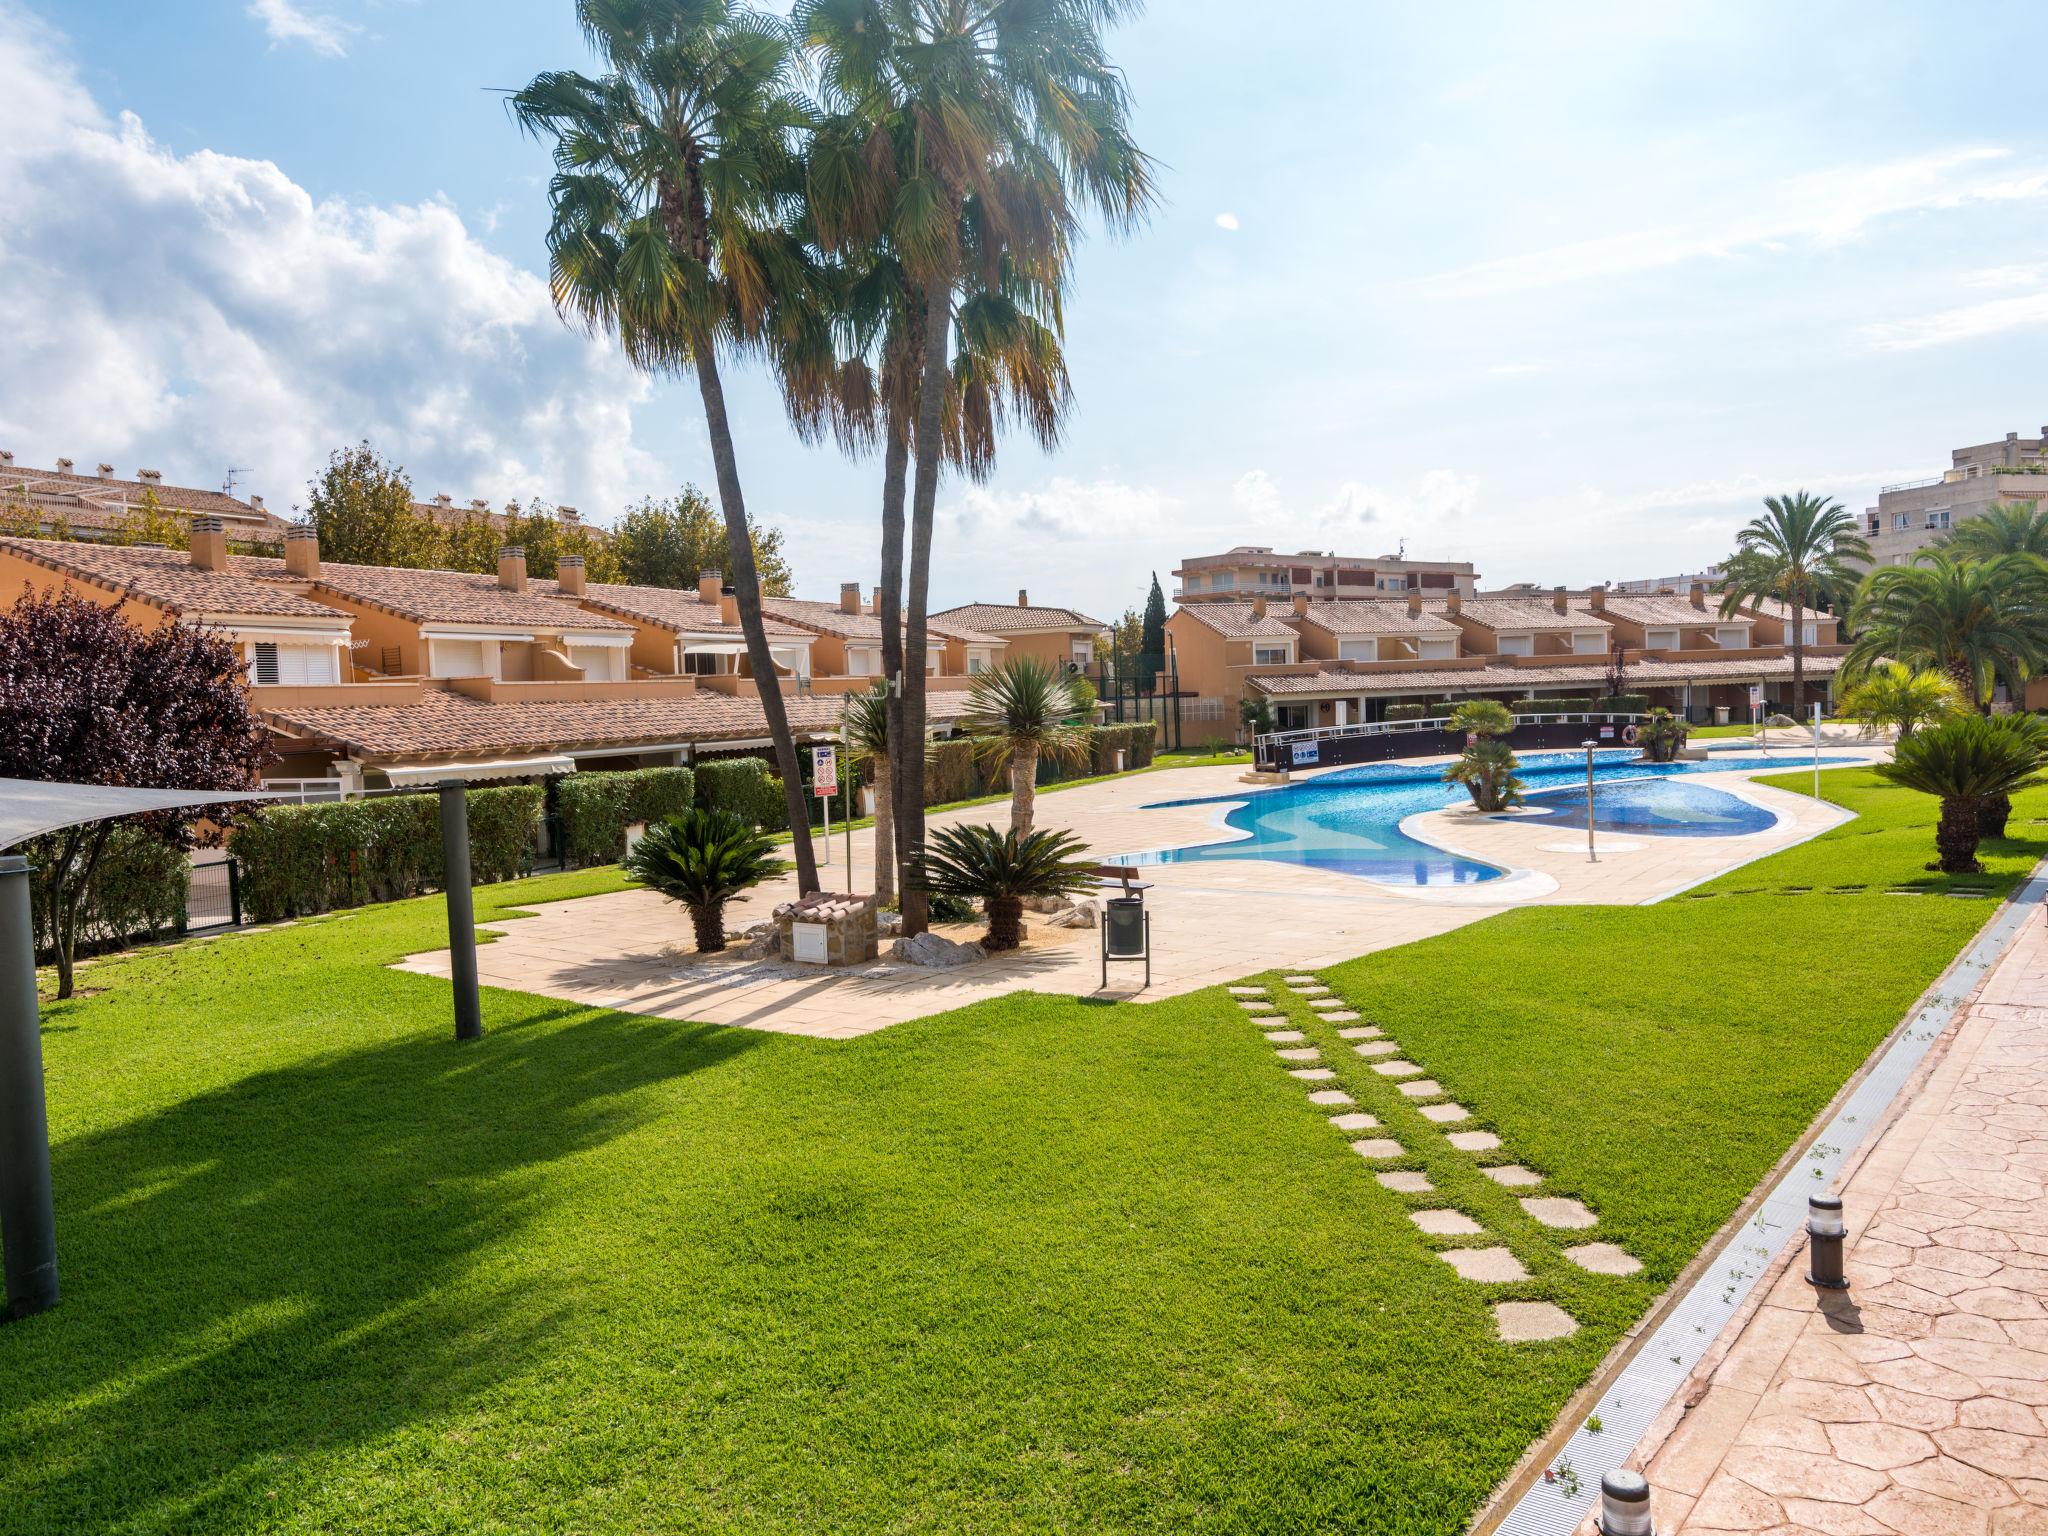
1022 712
1804 551
2003 528
866 723
1983 622
671 172
986 126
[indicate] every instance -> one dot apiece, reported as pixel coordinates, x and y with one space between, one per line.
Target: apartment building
93 506
1256 570
1059 637
1912 515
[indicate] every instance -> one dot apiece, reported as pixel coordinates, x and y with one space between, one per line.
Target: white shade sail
497 768
31 807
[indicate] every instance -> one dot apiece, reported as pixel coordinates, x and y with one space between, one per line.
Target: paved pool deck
1212 921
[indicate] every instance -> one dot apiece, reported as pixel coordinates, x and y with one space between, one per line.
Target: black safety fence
213 896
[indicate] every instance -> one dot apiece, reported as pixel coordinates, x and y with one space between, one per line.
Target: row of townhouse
1331 662
373 677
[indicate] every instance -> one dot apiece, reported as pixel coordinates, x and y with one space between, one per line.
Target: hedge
300 859
1135 741
1553 706
744 786
138 891
1407 711
1627 704
593 810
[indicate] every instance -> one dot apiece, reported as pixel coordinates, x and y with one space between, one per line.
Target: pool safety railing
1368 740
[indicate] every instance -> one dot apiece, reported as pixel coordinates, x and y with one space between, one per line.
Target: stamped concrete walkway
1212 921
1916 1402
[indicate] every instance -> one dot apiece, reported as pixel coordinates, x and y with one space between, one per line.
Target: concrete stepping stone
1531 1322
1363 1032
1422 1088
1445 1223
1331 1096
1354 1122
1396 1068
1312 1074
1493 1266
1404 1181
1285 1036
1340 1016
1378 1147
1251 1007
1371 1048
1604 1259
1247 991
1556 1211
1302 981
1299 1053
1444 1114
1317 990
1513 1175
1328 1005
1474 1141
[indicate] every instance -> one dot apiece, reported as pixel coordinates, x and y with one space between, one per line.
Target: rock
935 953
761 946
1046 904
758 930
887 923
1082 916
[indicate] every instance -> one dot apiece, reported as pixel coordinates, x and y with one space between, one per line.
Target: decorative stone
1363 1032
1300 1053
1285 1036
1531 1322
1081 915
1405 1181
1555 1211
1444 1114
1312 1074
1513 1175
1604 1259
1474 1141
1422 1088
1396 1068
1493 1266
1445 1223
1331 1096
935 952
1378 1148
1354 1122
1372 1048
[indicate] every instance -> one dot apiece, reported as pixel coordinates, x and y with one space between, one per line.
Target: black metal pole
28 1217
469 1012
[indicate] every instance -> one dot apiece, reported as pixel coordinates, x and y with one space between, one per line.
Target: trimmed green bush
1407 711
744 786
594 809
138 891
300 859
1627 704
1554 706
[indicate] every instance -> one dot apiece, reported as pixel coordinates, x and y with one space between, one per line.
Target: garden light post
1825 1233
1592 854
28 1220
469 1013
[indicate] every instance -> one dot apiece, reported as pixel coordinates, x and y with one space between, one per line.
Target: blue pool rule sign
1306 753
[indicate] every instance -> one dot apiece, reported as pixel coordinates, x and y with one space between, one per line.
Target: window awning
408 776
715 648
31 807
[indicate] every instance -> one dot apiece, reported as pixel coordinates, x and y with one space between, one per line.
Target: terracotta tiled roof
1531 613
97 502
455 597
1773 608
998 618
830 619
1642 675
454 515
1234 620
167 578
1662 608
677 609
449 725
1388 616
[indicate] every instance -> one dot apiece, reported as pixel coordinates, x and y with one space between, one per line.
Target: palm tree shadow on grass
298 1263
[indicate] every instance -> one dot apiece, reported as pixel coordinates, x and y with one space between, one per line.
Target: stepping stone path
1316 991
1495 1266
1474 1141
1302 981
1312 1074
1359 1121
1604 1259
1247 991
1513 1175
1405 1182
1378 1148
1252 1007
1554 1211
1371 1048
1340 1016
1445 1223
1396 1068
1328 1005
1363 1032
1300 1053
1444 1114
1285 1036
1331 1096
1422 1087
1531 1322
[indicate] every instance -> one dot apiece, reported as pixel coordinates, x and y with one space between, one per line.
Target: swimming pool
1349 821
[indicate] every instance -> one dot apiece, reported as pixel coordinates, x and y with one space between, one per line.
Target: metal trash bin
1123 921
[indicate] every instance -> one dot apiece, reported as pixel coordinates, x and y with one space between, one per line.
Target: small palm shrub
1661 735
1487 770
703 859
1995 810
1894 694
1000 869
1482 718
1963 762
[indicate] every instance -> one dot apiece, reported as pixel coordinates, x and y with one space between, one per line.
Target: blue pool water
1350 820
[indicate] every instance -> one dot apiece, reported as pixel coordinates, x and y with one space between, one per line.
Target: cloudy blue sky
1560 289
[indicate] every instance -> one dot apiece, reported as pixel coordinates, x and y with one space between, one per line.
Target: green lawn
1036 1265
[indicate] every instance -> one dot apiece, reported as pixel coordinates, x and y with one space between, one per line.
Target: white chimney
444 500
150 476
569 515
256 502
6 458
65 466
106 471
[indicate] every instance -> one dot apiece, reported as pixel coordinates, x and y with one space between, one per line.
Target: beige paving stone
1513 1175
1474 1141
1421 1088
1494 1266
1326 1006
1299 1053
1445 1223
1357 1121
1316 989
1603 1258
1371 1048
1378 1147
1405 1181
1312 1074
1247 991
1396 1068
1531 1322
1331 1096
1302 981
1362 1032
1284 1036
1339 1016
1251 1007
1556 1211
1445 1114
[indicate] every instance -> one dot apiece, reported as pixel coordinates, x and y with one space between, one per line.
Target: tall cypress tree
1153 658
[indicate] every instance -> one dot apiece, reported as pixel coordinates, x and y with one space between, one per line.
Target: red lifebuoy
1628 734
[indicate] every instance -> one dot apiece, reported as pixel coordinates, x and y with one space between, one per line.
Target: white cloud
285 24
1226 221
1965 322
200 310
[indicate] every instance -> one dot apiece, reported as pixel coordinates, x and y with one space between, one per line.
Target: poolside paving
1213 922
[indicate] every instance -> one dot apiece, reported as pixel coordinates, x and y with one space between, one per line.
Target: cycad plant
1001 869
866 723
1487 770
703 858
1803 551
1995 810
1661 736
1483 718
1962 762
1894 696
1022 712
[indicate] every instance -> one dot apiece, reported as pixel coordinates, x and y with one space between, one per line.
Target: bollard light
1825 1233
1625 1504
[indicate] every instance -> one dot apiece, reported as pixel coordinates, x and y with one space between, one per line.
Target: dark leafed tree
88 698
1153 643
672 171
362 508
669 543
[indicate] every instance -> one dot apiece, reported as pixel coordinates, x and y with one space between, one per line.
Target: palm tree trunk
1955 838
709 922
894 786
1799 709
1023 786
746 583
885 833
1005 922
931 401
